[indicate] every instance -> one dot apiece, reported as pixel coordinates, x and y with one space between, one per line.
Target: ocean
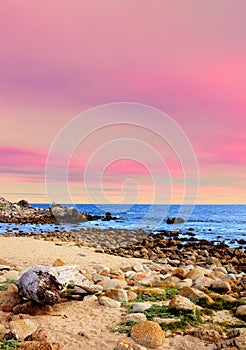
226 223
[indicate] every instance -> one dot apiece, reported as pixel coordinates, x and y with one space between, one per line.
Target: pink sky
186 58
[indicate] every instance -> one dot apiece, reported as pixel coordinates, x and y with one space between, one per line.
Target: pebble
140 307
108 302
241 310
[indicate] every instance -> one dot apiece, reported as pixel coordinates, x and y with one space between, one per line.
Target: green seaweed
125 328
173 327
142 297
10 344
185 316
227 327
171 292
4 285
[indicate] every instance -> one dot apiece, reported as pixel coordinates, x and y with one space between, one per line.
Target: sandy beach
87 323
74 324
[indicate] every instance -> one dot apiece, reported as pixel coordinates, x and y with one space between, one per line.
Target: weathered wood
37 284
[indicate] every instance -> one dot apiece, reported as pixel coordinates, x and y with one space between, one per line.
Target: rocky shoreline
173 293
155 247
22 213
163 305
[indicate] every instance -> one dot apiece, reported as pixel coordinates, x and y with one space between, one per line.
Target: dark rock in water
23 203
192 239
241 241
191 229
191 234
108 217
177 220
37 284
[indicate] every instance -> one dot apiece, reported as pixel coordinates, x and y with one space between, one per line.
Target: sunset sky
186 58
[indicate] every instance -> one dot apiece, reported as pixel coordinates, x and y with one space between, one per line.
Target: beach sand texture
76 325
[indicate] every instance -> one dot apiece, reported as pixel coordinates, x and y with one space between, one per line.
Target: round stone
241 310
148 333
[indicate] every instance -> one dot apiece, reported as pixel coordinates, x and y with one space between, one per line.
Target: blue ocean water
224 222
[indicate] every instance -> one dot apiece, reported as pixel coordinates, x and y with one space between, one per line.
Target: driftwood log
44 285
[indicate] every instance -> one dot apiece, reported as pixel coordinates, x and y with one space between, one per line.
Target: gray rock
108 302
141 306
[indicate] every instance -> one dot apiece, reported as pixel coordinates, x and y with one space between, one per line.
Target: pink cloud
187 59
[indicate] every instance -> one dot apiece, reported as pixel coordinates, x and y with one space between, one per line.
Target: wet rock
148 334
177 220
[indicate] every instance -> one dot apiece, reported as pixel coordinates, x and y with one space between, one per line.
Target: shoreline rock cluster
22 213
163 307
155 247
